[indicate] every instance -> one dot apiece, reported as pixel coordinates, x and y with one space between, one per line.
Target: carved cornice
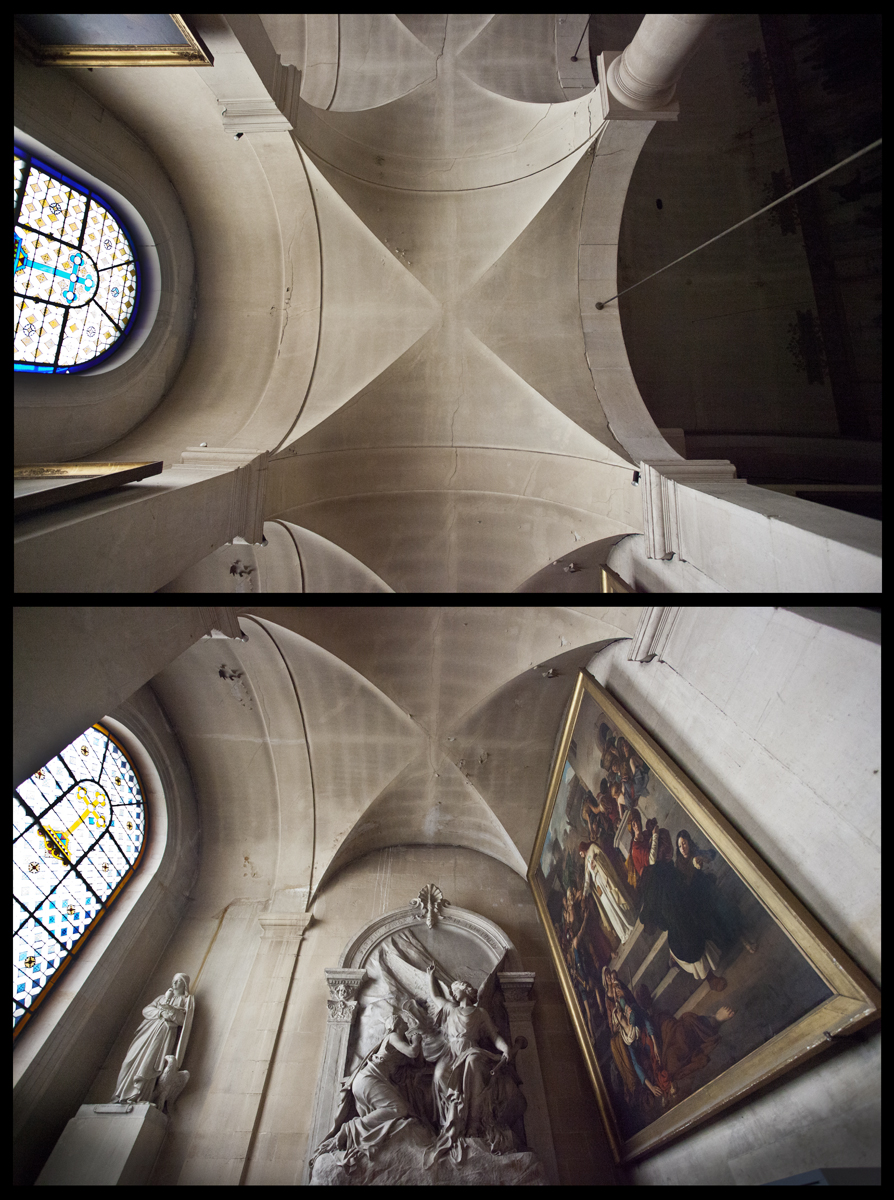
284 926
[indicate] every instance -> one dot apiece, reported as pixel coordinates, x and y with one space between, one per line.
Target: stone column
640 83
220 1145
646 74
342 1004
516 987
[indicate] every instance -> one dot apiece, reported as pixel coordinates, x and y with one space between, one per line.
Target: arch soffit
616 152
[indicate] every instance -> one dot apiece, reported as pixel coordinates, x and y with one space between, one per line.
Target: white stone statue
373 1106
441 1092
463 1083
167 1023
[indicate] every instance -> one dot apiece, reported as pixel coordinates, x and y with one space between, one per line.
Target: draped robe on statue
382 1108
155 1038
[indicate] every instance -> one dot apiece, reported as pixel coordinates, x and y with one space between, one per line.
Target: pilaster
258 94
342 1004
652 633
661 514
516 988
220 1145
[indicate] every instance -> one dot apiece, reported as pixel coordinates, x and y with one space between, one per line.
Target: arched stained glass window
79 829
76 278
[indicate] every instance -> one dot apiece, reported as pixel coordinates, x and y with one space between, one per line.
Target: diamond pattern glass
79 827
76 277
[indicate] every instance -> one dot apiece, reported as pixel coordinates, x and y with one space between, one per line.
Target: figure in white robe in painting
602 883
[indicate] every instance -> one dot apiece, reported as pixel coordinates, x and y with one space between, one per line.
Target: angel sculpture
475 1091
464 1071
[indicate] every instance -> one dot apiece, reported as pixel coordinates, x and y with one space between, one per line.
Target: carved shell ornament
430 901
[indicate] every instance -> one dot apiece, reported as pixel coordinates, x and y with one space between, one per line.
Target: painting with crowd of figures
692 974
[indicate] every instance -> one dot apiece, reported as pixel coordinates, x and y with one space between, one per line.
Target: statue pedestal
107 1144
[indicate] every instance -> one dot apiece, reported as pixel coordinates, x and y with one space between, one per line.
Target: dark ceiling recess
826 73
765 347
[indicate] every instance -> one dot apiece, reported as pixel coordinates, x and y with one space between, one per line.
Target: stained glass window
79 827
76 278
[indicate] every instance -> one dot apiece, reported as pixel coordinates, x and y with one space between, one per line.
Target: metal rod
574 55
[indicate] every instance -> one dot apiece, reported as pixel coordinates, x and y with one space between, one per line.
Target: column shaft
645 76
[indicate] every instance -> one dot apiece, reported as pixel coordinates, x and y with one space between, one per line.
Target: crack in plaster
534 127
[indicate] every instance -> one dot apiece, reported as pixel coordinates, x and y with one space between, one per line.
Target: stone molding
258 94
248 490
358 950
661 521
221 623
652 633
284 925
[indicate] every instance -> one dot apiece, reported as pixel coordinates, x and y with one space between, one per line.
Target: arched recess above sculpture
358 950
63 418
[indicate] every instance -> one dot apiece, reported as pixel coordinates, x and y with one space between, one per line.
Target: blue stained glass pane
76 277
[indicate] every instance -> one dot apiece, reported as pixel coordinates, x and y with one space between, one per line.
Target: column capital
343 987
284 925
516 985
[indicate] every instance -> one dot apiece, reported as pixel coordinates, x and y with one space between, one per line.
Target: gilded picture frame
692 974
110 40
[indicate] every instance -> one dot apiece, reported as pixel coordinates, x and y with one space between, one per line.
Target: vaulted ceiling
332 732
388 296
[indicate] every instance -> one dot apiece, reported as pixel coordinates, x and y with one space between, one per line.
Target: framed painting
692 974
